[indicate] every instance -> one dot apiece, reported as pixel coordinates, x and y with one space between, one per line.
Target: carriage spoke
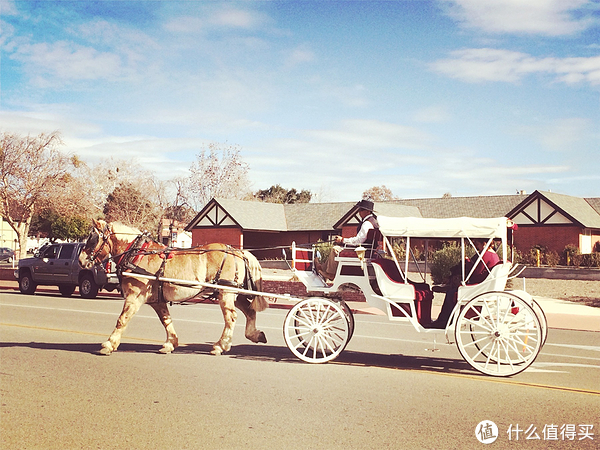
316 330
503 338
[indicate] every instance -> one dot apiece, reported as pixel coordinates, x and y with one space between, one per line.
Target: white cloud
370 134
544 17
237 18
221 18
568 135
7 7
488 64
298 56
433 114
66 61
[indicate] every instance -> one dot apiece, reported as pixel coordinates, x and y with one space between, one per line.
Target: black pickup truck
58 265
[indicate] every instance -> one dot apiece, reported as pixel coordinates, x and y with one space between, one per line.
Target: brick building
544 218
256 225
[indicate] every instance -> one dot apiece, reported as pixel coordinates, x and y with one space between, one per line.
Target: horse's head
98 244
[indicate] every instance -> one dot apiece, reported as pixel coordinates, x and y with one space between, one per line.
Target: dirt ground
587 292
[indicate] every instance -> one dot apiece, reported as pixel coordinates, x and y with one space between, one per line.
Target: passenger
367 223
489 259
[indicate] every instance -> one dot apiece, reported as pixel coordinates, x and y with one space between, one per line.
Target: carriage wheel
498 334
541 315
317 330
349 316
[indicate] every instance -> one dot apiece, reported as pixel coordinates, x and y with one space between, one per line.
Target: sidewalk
560 314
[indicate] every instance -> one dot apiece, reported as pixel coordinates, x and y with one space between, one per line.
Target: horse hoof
166 349
216 351
105 350
262 339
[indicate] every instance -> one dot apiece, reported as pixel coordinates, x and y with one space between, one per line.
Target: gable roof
390 209
245 214
579 210
261 216
594 203
257 215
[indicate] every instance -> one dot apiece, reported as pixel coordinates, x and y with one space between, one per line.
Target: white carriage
498 332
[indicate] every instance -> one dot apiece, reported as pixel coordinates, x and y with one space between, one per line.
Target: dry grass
581 291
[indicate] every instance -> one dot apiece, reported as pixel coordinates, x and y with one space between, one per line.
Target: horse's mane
120 228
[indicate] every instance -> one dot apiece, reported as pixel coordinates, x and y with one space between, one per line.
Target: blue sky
470 97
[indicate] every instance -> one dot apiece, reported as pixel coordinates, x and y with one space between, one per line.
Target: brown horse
212 263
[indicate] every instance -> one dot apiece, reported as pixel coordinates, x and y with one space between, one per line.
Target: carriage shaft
200 284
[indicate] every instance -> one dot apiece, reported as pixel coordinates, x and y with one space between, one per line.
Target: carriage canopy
459 227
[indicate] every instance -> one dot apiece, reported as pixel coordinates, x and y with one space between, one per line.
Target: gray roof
594 203
578 208
257 215
478 207
391 209
315 216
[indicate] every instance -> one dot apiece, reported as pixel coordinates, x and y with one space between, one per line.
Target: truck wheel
88 287
66 290
26 284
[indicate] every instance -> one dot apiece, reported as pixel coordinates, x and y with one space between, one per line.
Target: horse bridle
95 237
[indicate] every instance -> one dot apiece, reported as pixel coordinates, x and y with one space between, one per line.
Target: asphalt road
388 389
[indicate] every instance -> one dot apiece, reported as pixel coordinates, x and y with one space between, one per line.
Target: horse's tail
254 281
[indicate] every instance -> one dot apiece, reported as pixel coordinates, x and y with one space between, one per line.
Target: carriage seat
391 284
374 237
495 281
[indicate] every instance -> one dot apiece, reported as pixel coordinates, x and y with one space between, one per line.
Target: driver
367 223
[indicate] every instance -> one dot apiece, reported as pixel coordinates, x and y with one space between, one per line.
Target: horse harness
138 248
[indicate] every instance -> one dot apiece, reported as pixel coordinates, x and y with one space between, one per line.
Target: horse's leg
252 333
162 310
131 306
227 303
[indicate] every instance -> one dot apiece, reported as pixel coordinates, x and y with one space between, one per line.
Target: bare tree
129 205
380 194
218 171
32 169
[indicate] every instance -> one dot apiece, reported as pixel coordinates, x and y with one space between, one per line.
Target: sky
467 97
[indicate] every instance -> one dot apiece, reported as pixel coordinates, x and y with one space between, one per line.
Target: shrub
569 255
551 259
324 249
587 260
443 260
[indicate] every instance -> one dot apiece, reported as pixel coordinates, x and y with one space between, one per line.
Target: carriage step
310 279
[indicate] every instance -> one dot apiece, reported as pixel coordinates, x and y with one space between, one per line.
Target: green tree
278 194
48 223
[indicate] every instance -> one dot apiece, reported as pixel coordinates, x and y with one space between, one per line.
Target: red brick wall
555 238
266 241
349 230
231 236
